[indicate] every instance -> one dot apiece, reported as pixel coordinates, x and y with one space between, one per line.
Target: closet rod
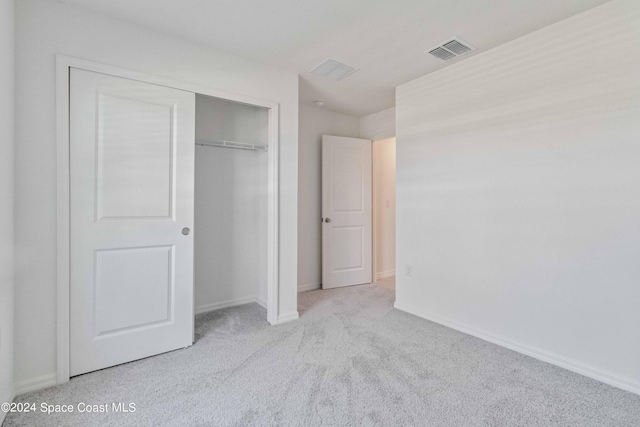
233 144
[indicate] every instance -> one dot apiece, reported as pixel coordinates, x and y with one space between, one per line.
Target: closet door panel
132 197
134 155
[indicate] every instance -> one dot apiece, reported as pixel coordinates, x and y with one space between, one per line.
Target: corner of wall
9 398
380 125
627 384
7 193
37 383
288 317
309 287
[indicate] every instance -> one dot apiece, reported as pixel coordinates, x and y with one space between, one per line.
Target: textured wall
380 125
517 194
7 145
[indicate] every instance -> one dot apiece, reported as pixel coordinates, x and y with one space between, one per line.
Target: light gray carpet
350 360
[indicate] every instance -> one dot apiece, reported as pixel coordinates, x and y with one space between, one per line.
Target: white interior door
132 197
346 211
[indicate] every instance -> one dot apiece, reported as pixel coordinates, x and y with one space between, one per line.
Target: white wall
7 145
517 194
384 200
230 206
314 122
380 125
45 28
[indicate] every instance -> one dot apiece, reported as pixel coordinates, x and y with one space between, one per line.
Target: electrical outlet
408 270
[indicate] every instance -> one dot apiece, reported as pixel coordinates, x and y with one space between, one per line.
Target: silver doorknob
327 220
186 231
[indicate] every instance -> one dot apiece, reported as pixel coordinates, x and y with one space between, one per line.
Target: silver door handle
327 220
186 231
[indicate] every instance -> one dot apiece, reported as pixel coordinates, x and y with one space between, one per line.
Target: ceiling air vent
333 69
443 54
450 49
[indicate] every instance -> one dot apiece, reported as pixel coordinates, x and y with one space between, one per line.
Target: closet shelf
233 144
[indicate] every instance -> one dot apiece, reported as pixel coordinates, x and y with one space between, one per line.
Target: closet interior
231 167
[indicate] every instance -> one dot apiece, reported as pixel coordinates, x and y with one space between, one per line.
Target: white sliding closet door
132 198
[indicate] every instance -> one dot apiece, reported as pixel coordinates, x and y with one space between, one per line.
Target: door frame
375 160
63 66
374 216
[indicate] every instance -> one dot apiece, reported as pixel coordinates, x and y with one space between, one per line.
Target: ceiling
384 39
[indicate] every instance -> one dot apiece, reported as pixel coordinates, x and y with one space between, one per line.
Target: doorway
346 212
358 211
384 211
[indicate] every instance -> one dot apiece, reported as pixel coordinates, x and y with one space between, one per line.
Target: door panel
134 158
132 173
346 204
139 282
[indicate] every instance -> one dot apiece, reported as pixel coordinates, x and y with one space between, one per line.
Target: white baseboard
627 384
224 304
385 274
8 397
309 287
37 383
287 317
262 303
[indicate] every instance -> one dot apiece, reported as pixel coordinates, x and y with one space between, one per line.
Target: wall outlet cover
408 270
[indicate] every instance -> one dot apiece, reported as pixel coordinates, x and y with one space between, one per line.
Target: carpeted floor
350 360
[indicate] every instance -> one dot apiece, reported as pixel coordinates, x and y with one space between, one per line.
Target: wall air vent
333 69
450 49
